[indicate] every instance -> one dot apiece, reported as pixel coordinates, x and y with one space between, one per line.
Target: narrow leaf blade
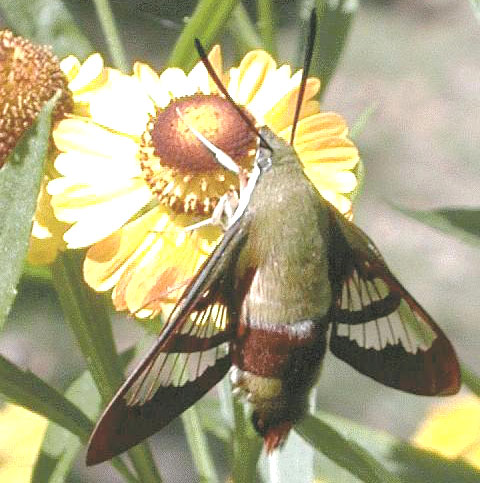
19 185
462 223
346 453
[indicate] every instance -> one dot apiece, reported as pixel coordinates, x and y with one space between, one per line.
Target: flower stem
198 445
266 25
208 19
115 47
243 31
89 320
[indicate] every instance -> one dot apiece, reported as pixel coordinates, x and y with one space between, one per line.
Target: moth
290 277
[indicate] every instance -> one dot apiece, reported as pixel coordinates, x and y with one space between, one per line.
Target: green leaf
28 390
60 447
19 185
243 32
198 444
207 21
88 316
346 453
46 22
462 223
471 380
405 462
267 24
334 22
112 37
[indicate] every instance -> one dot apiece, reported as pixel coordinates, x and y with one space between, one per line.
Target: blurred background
418 64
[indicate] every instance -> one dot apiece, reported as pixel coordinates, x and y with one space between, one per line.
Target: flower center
180 171
211 115
29 76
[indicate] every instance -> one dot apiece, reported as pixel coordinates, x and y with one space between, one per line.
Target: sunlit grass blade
198 444
462 223
344 452
243 31
110 32
267 25
334 22
402 460
206 22
46 22
88 316
19 185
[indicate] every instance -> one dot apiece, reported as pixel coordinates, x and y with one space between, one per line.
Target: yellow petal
343 204
20 440
341 153
150 82
90 75
175 82
201 79
275 85
322 124
97 215
70 67
252 71
87 137
106 260
453 430
331 179
123 107
281 115
91 169
163 271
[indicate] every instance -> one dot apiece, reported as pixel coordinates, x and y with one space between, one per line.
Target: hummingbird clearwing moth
290 277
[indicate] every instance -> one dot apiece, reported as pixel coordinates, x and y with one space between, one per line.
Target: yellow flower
453 430
20 440
85 81
133 175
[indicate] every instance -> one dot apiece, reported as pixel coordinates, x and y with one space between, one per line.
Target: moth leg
222 213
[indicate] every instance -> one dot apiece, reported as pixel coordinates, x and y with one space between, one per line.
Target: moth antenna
223 90
306 69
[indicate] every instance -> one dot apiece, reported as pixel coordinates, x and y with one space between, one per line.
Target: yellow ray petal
79 201
252 71
337 151
342 203
150 82
161 274
175 82
90 75
329 178
96 221
321 124
123 107
275 85
106 260
281 115
70 67
72 135
199 76
91 169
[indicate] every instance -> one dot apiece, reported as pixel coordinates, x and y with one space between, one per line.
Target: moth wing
378 327
190 356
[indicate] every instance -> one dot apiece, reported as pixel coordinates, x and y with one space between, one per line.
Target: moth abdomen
275 366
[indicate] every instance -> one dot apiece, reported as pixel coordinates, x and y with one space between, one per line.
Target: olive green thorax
287 242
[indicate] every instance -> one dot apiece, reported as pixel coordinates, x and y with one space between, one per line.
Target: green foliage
462 223
46 22
19 186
